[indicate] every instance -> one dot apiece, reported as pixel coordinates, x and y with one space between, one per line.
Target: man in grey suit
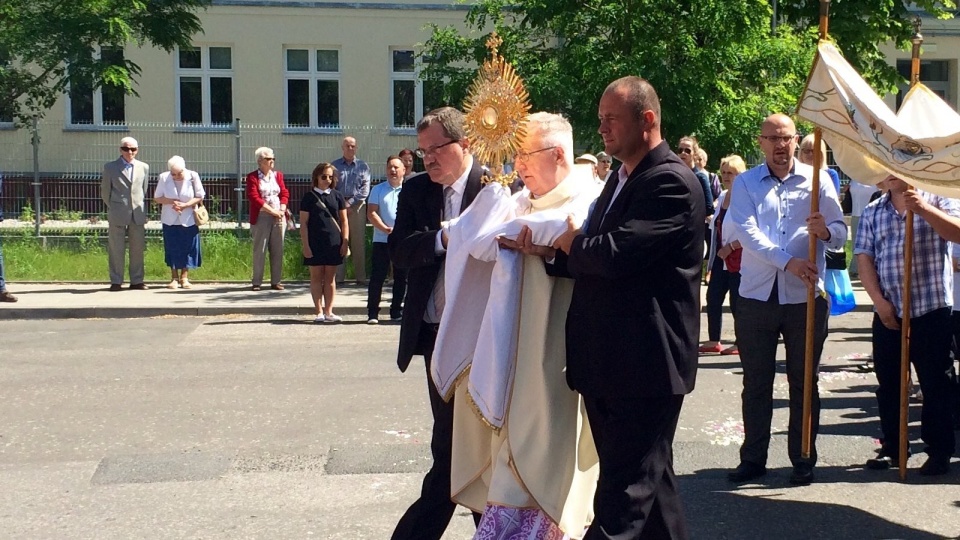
122 188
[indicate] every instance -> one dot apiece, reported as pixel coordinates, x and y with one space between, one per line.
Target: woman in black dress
325 237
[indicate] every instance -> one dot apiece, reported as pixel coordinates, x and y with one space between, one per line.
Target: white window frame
417 89
97 105
312 75
205 73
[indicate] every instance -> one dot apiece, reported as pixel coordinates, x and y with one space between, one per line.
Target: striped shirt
881 235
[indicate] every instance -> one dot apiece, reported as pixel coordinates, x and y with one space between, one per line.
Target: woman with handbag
180 192
724 262
268 197
325 236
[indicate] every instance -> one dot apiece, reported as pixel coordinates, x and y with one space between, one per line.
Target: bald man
770 216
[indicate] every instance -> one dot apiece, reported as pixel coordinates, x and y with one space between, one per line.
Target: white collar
323 191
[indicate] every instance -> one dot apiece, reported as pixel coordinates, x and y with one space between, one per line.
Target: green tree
860 27
718 66
47 44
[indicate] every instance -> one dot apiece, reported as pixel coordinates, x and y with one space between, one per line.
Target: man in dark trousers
418 244
634 320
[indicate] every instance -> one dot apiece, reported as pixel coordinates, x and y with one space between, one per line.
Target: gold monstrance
496 112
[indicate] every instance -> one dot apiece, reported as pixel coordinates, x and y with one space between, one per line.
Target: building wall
941 42
257 32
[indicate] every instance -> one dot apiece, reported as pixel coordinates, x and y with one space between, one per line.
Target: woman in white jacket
179 191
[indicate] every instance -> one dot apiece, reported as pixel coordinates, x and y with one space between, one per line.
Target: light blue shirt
768 217
385 197
354 182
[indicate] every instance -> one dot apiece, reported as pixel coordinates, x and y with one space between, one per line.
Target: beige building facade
939 57
296 76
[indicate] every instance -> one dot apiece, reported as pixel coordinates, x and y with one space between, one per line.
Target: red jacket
253 194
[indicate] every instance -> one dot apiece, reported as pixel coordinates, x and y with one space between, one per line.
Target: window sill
96 127
8 126
403 131
294 130
219 128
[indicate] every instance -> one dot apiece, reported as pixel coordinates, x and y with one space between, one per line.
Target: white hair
176 163
552 130
129 142
263 151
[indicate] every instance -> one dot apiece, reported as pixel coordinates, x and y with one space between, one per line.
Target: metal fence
51 174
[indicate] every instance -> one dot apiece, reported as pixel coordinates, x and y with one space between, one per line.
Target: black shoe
114 287
882 462
7 297
802 474
139 287
746 471
935 466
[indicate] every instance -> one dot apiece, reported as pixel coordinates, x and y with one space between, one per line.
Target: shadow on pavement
715 508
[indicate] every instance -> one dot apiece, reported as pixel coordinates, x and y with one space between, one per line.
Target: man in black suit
634 321
418 244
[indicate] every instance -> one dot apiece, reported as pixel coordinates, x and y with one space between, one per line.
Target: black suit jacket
411 244
634 320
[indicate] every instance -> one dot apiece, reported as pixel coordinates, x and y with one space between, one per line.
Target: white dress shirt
770 215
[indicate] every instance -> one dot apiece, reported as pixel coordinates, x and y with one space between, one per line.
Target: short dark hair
450 119
318 170
640 95
391 158
404 152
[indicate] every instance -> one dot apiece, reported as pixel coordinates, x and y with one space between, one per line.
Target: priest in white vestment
523 453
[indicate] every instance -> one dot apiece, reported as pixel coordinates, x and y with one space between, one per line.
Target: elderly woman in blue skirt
179 191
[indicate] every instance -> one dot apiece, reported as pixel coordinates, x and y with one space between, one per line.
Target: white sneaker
320 318
173 285
373 321
333 319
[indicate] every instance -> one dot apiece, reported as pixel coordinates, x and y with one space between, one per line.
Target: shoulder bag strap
336 223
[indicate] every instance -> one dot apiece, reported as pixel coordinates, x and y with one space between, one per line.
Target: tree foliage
718 65
46 44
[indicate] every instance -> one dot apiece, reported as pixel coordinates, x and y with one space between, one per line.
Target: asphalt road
242 427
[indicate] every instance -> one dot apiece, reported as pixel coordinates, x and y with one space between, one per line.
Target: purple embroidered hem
507 523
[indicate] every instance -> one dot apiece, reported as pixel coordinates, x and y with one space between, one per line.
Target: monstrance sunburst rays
496 110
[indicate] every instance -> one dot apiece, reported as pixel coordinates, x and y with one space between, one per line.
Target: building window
101 106
205 85
934 74
410 97
312 79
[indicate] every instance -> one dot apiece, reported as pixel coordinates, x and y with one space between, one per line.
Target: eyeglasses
422 153
785 139
685 151
524 156
270 159
326 177
127 149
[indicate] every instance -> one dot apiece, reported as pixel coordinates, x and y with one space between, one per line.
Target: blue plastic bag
837 283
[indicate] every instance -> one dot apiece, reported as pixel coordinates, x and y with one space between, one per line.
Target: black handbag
836 260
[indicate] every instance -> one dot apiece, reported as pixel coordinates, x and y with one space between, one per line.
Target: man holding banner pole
880 247
771 217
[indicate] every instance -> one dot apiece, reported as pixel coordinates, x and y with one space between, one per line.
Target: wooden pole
808 360
904 441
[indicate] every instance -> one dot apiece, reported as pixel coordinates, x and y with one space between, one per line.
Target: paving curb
11 314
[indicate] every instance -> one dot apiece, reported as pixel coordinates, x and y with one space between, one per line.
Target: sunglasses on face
685 151
326 177
128 149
